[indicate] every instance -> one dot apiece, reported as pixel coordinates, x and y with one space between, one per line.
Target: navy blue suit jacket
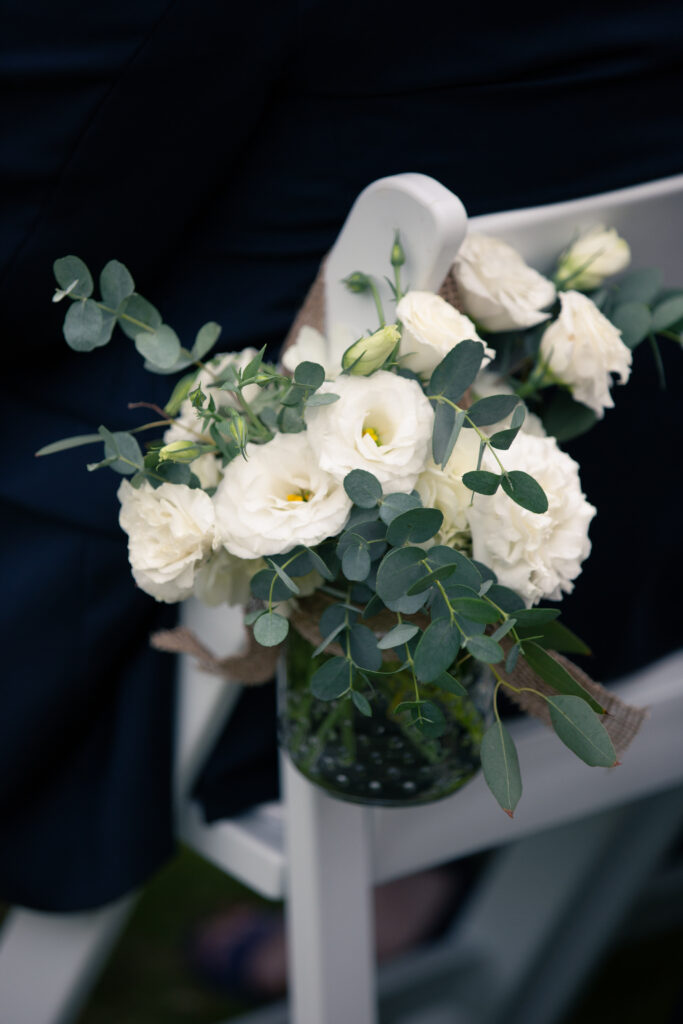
215 149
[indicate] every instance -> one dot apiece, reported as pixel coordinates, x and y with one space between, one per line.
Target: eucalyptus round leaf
667 313
394 505
565 418
83 325
356 561
640 285
466 572
137 313
331 680
68 269
310 375
270 629
443 572
398 570
476 609
634 320
581 730
266 586
125 450
160 347
430 720
500 766
207 336
524 491
416 526
363 488
116 284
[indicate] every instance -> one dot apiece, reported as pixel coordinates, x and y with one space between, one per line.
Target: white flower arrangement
414 472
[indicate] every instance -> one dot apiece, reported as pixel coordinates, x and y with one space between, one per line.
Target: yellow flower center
371 432
301 495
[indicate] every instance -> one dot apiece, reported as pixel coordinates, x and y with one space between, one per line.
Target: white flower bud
367 354
595 255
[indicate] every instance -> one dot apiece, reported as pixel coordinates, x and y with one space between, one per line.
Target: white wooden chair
325 855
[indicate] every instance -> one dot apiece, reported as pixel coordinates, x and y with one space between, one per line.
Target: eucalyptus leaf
449 683
415 526
355 559
485 649
320 565
124 449
555 674
363 488
83 325
207 336
266 586
492 409
160 347
398 570
437 649
68 269
394 505
457 370
524 491
564 418
667 313
179 394
535 617
271 629
398 636
558 637
68 442
634 320
364 650
500 766
331 680
116 284
443 572
476 609
481 481
137 313
283 576
362 703
581 730
512 658
321 398
502 439
310 375
505 598
640 285
290 421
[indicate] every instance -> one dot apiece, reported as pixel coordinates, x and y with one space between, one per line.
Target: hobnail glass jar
384 759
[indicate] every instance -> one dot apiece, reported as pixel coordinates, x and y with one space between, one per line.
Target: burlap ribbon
255 664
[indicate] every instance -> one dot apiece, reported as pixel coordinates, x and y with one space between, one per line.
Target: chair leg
329 907
49 962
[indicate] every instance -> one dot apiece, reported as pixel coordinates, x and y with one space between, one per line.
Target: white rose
595 255
582 348
278 498
431 328
224 579
536 555
313 347
187 425
443 489
497 288
486 385
382 424
171 529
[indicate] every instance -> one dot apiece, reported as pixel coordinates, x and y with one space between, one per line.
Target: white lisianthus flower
443 489
595 255
582 348
497 287
171 530
486 384
313 347
382 424
431 328
537 555
278 498
224 579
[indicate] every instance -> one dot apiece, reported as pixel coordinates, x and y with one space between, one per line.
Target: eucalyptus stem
378 302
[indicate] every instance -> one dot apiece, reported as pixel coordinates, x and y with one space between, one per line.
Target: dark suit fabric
215 149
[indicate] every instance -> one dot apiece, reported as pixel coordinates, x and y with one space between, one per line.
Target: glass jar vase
383 759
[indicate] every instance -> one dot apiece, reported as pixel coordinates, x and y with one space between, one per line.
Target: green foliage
160 347
525 491
207 336
116 284
456 371
270 629
331 680
555 674
84 326
564 418
68 442
414 526
363 488
581 730
500 766
70 269
640 285
667 313
436 650
492 409
634 320
481 481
